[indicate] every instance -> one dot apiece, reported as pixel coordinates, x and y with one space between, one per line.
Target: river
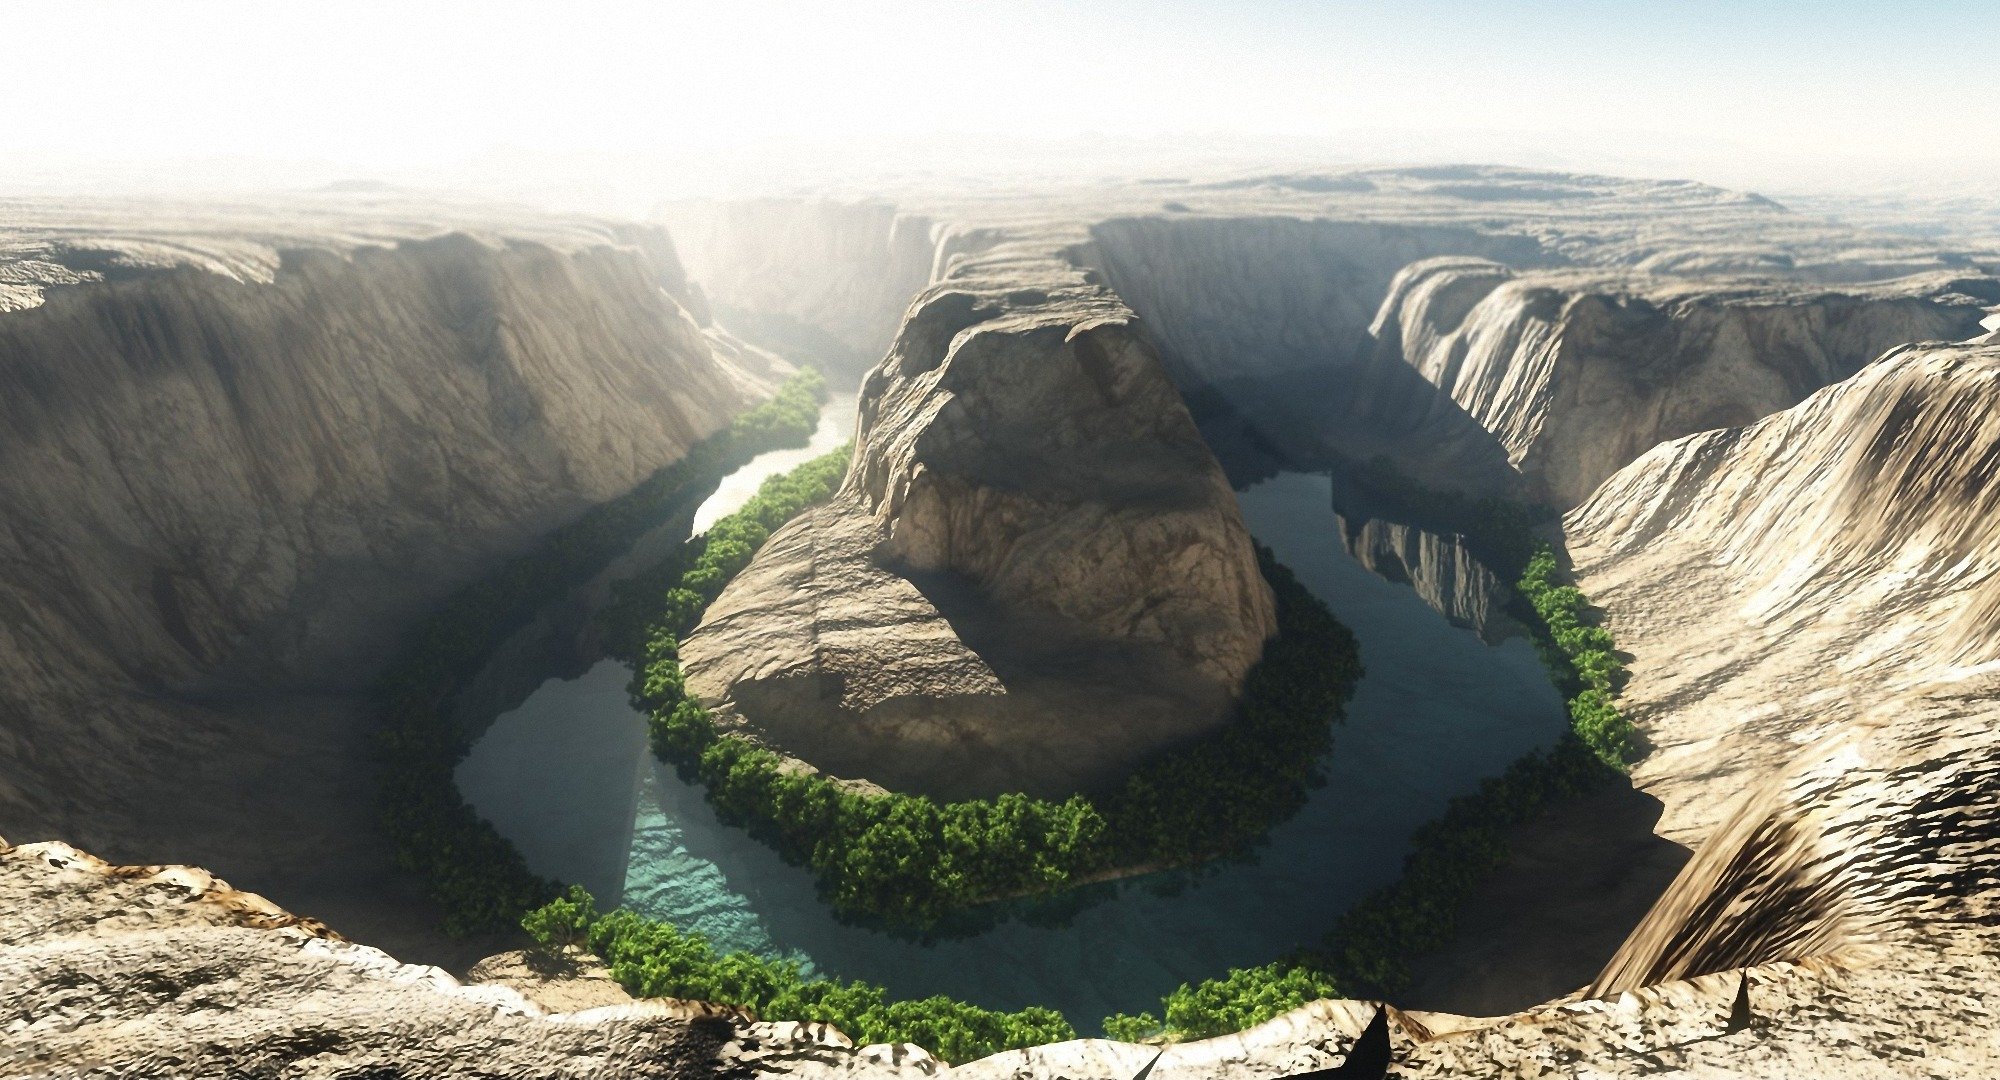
566 777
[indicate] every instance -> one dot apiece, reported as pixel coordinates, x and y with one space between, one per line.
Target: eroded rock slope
1577 373
241 455
1034 575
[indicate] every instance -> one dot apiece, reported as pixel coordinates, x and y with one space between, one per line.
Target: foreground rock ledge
165 970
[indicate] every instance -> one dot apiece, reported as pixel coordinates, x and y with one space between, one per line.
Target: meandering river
566 777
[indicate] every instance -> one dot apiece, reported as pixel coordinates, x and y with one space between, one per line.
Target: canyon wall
1817 566
1034 576
821 280
1263 323
226 498
1236 300
1577 373
1811 602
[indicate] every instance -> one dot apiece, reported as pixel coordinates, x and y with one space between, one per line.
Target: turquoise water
567 778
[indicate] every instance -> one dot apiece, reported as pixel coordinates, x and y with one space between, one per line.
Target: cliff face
1818 565
1576 373
1810 602
226 497
1238 300
1034 575
820 280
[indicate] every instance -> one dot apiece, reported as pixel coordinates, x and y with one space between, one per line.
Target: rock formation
1820 566
231 480
1577 373
1034 575
149 971
241 449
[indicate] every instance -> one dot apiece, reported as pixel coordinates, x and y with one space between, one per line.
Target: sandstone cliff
232 479
1817 566
1577 373
1034 575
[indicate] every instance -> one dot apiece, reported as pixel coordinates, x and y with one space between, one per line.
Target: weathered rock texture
150 971
1258 292
1577 373
1034 575
231 480
164 970
1780 582
1810 602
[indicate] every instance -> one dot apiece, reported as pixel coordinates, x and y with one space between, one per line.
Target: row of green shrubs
911 860
1583 659
478 878
1368 950
655 959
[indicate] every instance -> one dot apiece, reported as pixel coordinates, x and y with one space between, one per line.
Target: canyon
247 448
243 451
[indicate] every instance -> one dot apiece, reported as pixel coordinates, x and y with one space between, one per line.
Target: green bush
1582 658
564 921
655 959
475 876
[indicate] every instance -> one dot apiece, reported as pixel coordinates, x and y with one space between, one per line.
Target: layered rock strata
1034 576
1576 373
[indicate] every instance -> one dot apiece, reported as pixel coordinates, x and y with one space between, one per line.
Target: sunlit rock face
1781 580
1034 575
1811 606
169 971
1577 373
240 453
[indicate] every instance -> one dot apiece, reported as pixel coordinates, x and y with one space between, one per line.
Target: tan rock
1577 373
1034 576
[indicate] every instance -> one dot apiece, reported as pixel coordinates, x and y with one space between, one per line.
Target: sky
1750 93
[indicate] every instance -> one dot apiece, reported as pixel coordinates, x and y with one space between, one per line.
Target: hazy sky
1743 92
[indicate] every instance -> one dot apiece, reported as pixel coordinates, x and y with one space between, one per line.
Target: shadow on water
1575 883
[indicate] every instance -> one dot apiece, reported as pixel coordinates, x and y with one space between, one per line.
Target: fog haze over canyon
1205 539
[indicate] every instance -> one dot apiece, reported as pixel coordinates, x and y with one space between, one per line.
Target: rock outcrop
146 971
240 456
1577 373
1034 575
1780 582
1810 603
